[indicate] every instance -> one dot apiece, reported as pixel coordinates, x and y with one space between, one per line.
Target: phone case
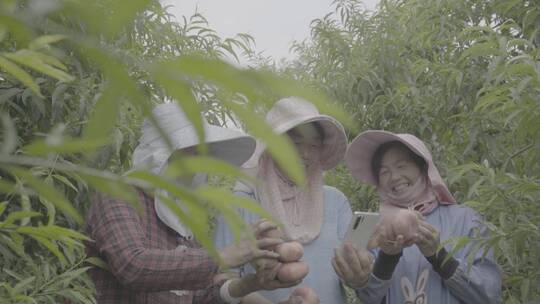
361 228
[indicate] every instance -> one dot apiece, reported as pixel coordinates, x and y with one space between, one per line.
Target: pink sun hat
362 149
291 112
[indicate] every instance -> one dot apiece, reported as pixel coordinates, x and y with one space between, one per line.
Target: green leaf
44 41
40 63
23 285
18 215
480 49
457 244
9 133
27 207
51 210
221 198
20 74
65 181
114 188
22 33
3 206
7 187
48 192
51 246
525 289
97 262
42 147
75 296
279 146
204 164
52 232
174 84
103 119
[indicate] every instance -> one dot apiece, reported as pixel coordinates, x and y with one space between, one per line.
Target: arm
388 257
379 281
119 237
482 282
473 280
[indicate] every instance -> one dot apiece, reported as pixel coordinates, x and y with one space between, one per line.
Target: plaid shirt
143 259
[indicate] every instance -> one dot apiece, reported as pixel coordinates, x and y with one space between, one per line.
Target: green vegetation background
76 78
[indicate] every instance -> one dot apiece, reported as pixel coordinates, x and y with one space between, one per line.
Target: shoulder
331 190
461 213
334 194
458 210
104 203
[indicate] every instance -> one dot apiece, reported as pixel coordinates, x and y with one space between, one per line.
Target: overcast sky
274 24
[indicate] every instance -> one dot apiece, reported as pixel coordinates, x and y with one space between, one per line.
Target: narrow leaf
20 74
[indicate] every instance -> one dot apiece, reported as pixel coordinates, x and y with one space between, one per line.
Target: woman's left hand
427 239
353 265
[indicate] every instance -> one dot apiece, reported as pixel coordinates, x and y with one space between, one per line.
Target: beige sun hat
290 112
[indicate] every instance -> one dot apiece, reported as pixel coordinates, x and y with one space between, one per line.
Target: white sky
274 24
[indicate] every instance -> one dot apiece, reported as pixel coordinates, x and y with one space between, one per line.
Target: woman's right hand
381 238
249 249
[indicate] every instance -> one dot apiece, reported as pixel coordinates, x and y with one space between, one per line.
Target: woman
312 214
151 255
415 271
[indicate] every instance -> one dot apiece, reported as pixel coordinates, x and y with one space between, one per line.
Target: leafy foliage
76 79
464 76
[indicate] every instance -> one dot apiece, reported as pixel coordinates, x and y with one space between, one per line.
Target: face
398 171
308 143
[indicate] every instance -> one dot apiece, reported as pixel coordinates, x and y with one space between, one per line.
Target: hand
248 249
427 239
252 282
353 265
381 238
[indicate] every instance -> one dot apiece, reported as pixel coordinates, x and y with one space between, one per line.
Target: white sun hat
153 153
234 147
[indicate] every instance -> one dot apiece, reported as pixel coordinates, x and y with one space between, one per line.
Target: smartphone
361 228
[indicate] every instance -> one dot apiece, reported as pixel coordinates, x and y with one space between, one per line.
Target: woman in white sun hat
313 214
152 256
415 271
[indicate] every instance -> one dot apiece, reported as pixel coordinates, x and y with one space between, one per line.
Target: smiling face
398 170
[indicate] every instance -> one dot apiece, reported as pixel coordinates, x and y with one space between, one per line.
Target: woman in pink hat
415 270
313 214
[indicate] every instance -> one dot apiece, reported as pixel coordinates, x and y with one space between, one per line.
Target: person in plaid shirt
151 257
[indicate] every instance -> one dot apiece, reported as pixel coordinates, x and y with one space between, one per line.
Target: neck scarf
419 197
300 208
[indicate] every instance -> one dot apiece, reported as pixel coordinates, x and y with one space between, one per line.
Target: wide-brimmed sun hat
290 112
362 149
234 147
